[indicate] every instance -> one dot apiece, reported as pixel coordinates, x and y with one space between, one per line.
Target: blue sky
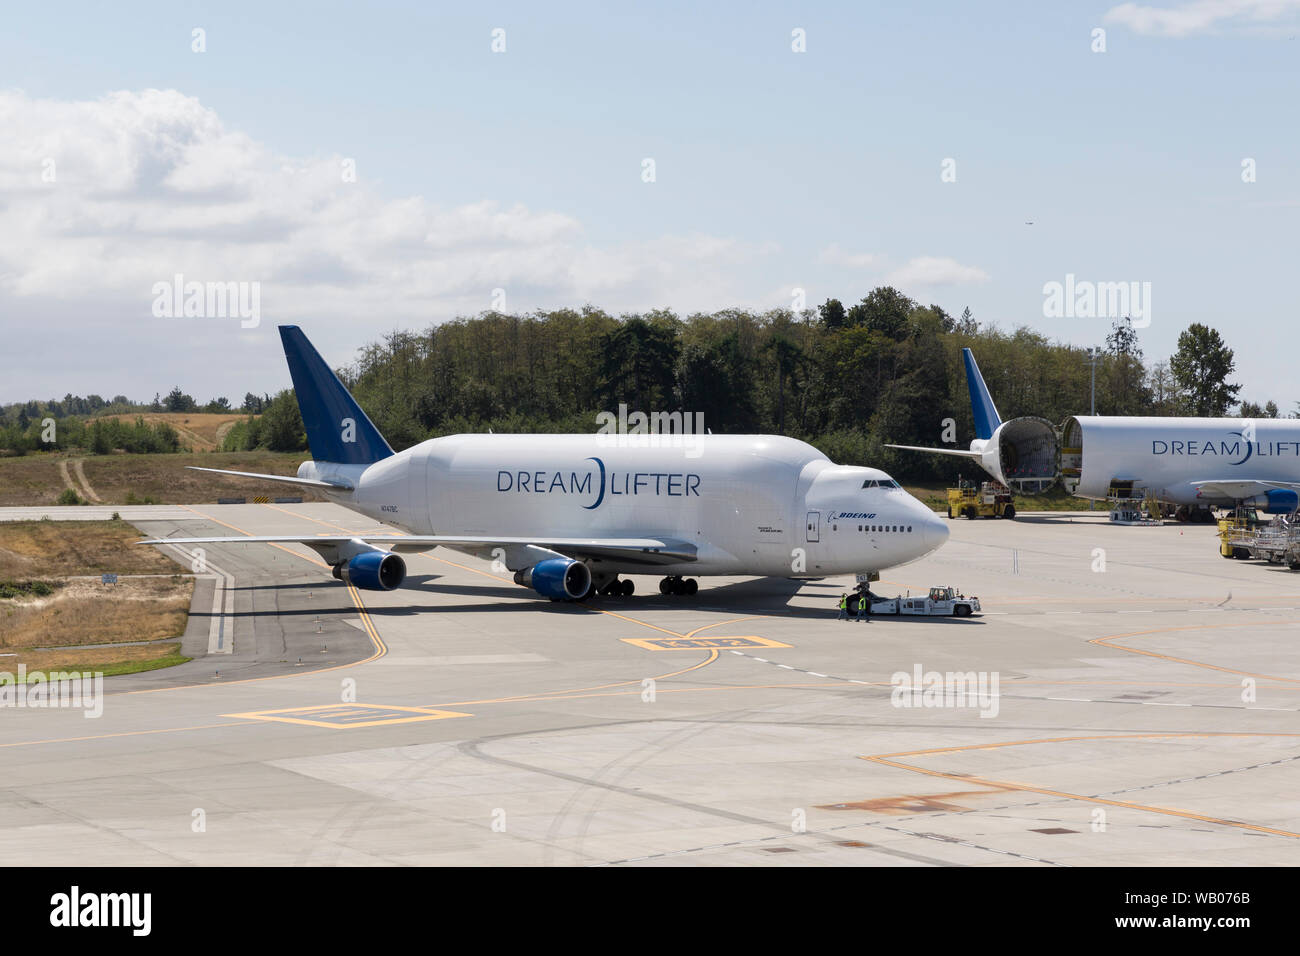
774 169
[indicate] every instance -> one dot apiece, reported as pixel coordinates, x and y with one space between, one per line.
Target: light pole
1094 354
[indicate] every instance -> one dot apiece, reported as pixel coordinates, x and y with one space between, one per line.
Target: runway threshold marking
884 760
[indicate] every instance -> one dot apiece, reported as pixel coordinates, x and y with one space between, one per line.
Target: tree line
846 378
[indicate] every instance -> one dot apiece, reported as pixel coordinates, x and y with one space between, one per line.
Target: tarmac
1127 697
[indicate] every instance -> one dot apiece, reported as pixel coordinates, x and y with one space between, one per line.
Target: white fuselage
1166 455
750 504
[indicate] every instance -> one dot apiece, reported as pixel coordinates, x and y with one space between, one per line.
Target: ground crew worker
864 606
844 608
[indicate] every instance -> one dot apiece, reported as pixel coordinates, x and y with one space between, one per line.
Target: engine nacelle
372 571
560 579
1276 501
1024 454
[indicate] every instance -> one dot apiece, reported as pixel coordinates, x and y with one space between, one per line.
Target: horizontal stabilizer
283 479
941 451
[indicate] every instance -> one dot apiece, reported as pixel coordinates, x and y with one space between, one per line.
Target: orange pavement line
125 733
1108 639
884 760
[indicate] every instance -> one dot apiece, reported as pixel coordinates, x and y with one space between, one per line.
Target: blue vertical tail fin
981 402
337 429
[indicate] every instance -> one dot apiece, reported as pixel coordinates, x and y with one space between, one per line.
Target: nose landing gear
675 585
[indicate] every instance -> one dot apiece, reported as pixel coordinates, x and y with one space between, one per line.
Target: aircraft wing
1237 488
941 451
339 485
647 551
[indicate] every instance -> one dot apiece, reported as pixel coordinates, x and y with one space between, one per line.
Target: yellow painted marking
1108 640
125 733
349 715
885 760
699 643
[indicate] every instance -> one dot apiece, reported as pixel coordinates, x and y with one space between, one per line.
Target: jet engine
372 571
560 579
1275 501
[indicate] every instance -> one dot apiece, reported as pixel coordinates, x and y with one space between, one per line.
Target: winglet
981 402
337 429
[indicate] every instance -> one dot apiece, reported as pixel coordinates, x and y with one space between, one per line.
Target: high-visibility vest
844 602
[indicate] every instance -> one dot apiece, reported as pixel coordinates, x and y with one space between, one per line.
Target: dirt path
85 485
67 478
82 487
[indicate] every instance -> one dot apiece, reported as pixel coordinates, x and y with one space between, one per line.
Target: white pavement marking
220 639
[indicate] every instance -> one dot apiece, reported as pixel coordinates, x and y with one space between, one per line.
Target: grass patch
108 661
48 549
87 612
16 589
202 431
119 479
165 479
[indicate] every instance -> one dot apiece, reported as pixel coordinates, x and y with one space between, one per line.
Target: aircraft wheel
853 605
665 585
690 586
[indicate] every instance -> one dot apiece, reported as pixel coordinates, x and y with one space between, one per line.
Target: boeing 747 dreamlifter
569 513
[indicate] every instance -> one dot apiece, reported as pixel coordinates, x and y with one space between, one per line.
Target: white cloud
835 256
149 184
1199 16
927 271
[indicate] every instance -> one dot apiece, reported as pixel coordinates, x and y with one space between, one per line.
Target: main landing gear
618 588
676 585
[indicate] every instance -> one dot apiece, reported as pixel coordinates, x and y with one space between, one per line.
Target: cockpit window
881 483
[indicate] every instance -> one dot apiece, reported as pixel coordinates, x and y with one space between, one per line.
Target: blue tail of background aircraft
337 429
981 402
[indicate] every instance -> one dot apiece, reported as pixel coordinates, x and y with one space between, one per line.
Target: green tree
281 424
1201 366
884 310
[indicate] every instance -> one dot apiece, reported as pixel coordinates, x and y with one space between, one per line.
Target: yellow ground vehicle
991 499
1236 533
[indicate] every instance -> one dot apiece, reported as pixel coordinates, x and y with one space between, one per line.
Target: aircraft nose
934 530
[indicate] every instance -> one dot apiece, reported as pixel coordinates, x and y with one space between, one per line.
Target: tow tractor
991 499
940 602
